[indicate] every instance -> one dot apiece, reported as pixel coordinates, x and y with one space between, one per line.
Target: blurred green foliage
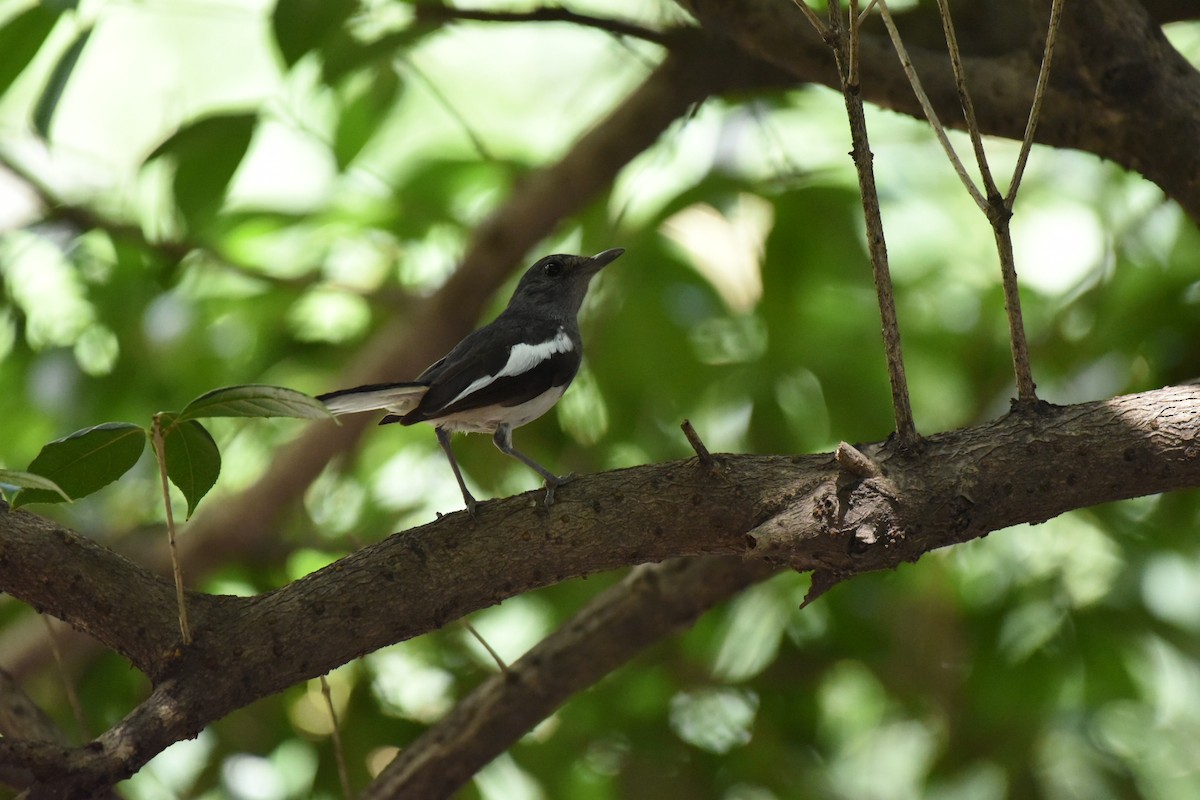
251 192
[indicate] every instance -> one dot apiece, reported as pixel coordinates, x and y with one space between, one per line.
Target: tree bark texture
806 512
1118 89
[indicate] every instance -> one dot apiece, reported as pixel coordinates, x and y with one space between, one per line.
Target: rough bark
813 512
1118 90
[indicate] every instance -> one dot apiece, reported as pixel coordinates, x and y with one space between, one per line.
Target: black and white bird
509 372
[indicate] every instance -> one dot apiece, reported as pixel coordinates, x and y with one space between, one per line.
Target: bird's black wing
483 370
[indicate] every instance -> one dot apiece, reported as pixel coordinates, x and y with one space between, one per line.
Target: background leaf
207 153
364 113
48 102
28 480
302 25
21 39
255 400
85 461
193 458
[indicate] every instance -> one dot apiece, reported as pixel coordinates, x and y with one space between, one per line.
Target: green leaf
207 153
255 400
363 115
21 39
193 459
27 480
85 461
52 93
302 25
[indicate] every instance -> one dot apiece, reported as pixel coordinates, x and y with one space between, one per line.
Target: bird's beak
607 257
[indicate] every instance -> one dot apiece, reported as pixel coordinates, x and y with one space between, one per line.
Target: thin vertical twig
339 752
479 638
1039 94
996 208
926 106
999 216
156 435
68 686
844 51
964 99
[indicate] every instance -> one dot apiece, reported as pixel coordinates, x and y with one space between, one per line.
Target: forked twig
926 106
1039 94
996 208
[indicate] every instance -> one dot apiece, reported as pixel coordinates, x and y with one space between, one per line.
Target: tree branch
1119 89
243 526
652 602
807 513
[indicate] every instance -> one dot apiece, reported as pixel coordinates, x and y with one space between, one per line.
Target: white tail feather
395 399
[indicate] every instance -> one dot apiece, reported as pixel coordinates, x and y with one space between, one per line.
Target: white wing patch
521 358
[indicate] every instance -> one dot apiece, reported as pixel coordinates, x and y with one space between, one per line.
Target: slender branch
993 205
839 41
931 115
1039 95
702 452
999 216
964 98
436 13
810 15
156 436
652 602
339 752
800 512
68 685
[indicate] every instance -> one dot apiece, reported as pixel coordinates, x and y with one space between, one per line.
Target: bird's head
557 284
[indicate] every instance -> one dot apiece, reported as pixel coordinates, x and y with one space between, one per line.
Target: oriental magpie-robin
507 373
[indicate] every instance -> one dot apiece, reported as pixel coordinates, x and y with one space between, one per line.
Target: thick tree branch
808 513
1119 89
652 602
243 526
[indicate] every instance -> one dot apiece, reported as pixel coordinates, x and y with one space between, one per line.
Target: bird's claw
558 481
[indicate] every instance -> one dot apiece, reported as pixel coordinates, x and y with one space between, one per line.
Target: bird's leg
503 440
443 437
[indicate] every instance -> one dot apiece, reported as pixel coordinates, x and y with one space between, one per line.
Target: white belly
489 418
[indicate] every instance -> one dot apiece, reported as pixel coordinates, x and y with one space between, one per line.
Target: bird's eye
553 268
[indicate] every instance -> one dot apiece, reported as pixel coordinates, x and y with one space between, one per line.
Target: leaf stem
156 437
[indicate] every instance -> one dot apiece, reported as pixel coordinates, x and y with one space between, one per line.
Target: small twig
1039 94
1026 388
339 753
479 638
964 99
938 130
906 431
856 462
68 686
160 453
452 110
702 452
820 27
996 208
431 12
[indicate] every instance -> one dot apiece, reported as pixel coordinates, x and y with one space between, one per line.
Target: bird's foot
551 485
471 505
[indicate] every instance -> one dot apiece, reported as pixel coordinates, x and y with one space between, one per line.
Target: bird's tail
397 398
